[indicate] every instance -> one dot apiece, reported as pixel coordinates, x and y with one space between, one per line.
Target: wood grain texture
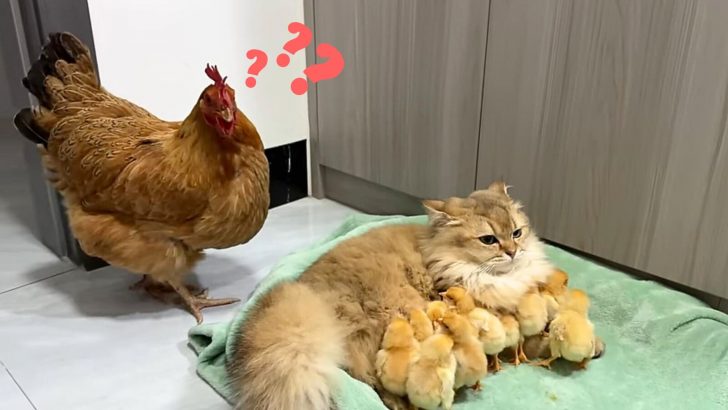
609 119
405 112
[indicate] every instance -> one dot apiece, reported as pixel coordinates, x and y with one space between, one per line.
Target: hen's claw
158 289
191 297
195 303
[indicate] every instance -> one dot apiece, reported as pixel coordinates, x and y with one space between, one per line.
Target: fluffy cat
289 350
485 244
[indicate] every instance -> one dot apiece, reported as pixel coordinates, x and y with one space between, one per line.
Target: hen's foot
195 303
164 291
191 297
477 386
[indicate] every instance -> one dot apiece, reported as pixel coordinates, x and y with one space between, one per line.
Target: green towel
665 350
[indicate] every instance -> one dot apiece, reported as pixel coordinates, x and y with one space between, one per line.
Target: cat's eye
488 239
517 233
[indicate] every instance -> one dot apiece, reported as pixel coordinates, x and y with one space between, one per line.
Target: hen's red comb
215 76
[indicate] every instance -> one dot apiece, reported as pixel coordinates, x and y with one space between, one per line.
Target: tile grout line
18 385
39 280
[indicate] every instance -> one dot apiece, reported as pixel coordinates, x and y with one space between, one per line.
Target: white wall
153 52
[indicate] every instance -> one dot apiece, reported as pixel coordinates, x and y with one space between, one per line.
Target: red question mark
324 71
261 60
302 40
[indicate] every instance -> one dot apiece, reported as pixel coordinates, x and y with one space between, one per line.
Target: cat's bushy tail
288 352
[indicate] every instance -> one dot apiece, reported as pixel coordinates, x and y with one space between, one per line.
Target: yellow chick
554 288
436 311
421 324
459 298
513 335
491 333
571 333
432 376
489 328
399 350
532 315
472 363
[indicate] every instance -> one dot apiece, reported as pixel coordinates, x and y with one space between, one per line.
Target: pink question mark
327 70
260 61
302 40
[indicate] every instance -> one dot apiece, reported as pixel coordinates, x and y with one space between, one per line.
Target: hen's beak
226 114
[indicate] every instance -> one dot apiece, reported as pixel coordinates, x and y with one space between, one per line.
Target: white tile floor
81 340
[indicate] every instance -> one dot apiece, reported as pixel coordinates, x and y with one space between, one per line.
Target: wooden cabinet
405 112
608 118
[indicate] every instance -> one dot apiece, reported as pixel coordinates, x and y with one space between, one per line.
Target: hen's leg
163 291
196 303
155 288
165 261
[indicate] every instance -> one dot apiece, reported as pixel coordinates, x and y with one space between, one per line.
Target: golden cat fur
336 313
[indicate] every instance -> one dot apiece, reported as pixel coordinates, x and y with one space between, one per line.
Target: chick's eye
517 233
488 239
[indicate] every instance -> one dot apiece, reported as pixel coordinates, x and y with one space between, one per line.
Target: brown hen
144 194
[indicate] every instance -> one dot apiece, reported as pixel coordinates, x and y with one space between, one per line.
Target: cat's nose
510 252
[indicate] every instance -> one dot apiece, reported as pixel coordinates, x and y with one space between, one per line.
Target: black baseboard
288 173
288 182
367 196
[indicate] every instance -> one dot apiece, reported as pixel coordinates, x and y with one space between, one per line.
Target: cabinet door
609 119
405 112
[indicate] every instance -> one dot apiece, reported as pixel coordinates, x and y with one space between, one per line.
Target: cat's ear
438 215
499 187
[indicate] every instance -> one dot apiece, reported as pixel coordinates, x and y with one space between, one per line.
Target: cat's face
484 243
487 228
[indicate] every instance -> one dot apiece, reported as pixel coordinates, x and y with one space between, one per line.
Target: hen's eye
517 233
206 98
488 239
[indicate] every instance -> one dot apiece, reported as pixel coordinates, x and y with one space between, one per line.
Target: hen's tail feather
288 352
25 123
60 47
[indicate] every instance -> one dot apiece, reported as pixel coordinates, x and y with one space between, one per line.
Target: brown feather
146 194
